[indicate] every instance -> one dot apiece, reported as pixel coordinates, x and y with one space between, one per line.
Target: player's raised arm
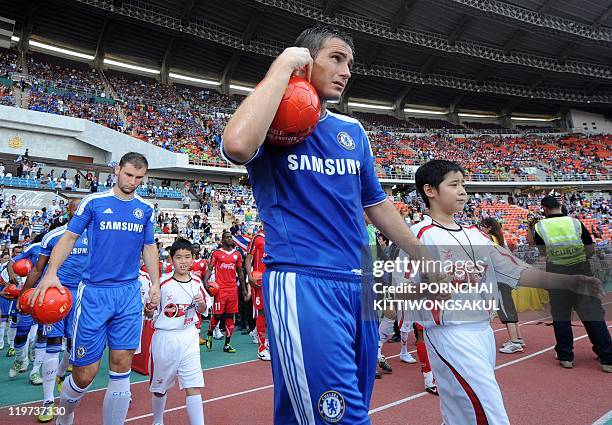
59 254
246 130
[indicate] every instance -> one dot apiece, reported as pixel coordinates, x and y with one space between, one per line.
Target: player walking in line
108 306
311 197
227 263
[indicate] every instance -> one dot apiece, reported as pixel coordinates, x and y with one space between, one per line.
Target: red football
257 276
54 308
22 267
213 288
24 306
297 115
11 291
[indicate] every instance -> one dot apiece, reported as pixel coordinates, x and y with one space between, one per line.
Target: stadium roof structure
508 57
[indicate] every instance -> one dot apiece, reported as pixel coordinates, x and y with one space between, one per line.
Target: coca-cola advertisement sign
30 199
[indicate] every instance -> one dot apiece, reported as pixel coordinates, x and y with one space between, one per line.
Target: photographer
568 246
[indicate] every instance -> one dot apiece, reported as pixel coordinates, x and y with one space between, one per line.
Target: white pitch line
495 330
144 381
252 390
605 419
510 363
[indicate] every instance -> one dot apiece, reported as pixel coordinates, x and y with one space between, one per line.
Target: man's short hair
315 37
433 173
179 244
550 202
138 160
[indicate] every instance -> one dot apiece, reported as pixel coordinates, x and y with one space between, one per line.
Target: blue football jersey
117 230
311 197
71 271
31 252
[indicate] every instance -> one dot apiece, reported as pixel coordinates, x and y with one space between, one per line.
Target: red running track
533 385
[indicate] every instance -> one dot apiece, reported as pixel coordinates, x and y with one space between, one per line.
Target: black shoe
396 338
378 375
245 332
384 364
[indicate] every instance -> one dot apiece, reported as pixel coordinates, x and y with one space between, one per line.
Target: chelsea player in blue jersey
25 323
311 198
70 274
108 305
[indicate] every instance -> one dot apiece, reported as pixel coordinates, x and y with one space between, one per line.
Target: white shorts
175 353
462 359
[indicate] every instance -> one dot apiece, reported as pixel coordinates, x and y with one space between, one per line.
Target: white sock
63 365
49 368
404 342
12 331
159 405
117 398
69 399
21 353
2 328
40 353
32 333
385 329
195 410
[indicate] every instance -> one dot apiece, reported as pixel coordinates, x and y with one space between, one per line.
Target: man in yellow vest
568 245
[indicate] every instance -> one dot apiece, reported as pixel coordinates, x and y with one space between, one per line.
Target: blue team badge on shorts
331 406
80 352
345 141
138 213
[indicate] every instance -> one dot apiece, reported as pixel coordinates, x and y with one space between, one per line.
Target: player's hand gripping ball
55 307
24 304
213 288
297 115
22 267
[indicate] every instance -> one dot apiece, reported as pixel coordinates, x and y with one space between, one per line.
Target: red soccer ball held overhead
54 308
22 267
297 115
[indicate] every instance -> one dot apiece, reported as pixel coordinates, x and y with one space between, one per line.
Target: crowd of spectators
8 62
76 105
21 227
500 158
48 71
189 120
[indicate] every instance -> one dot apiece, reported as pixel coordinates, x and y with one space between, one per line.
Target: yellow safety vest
562 237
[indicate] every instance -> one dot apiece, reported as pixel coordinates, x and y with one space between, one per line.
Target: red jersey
256 249
226 264
199 267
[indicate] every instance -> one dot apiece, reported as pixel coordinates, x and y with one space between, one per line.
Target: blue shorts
7 307
24 323
64 326
323 351
105 315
